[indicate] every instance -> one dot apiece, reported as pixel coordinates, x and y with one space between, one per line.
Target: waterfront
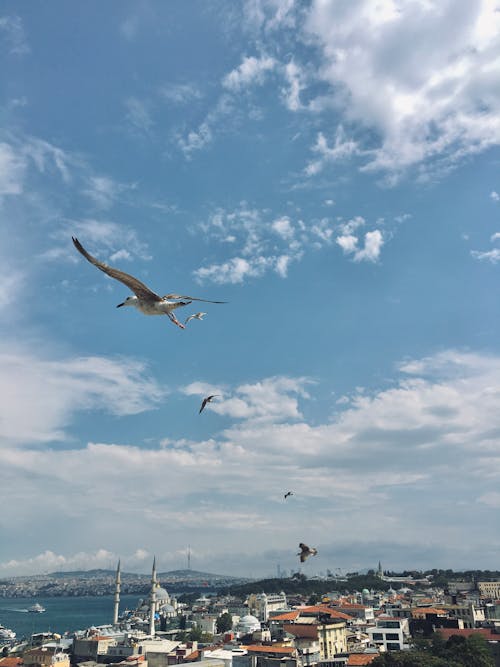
62 613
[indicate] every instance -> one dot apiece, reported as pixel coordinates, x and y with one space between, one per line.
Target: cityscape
249 333
227 622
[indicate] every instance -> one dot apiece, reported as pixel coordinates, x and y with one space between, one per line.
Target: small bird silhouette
288 493
196 316
206 400
306 551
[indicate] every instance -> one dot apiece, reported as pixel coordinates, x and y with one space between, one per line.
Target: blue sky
330 169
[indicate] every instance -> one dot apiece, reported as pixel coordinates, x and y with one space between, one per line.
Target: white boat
6 634
36 608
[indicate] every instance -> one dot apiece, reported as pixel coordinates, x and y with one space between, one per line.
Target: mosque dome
248 624
365 592
162 594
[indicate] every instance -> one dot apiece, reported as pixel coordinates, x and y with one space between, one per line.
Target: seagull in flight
288 493
196 316
306 551
145 300
206 400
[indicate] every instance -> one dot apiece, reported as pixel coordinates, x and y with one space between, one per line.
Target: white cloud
418 74
104 191
41 395
263 243
251 71
342 148
494 195
372 246
138 114
179 93
118 241
492 256
434 433
12 170
283 227
13 30
270 15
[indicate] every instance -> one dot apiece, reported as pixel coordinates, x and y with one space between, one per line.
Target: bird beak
120 305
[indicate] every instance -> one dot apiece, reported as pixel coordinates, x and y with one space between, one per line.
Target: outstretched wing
205 401
139 289
193 298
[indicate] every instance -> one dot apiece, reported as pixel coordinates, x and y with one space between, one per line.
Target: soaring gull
196 316
145 300
206 400
306 551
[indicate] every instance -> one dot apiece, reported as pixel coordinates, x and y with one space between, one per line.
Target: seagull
206 400
306 551
145 300
288 493
196 316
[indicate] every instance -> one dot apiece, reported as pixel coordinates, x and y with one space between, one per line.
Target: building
46 657
489 589
262 605
390 633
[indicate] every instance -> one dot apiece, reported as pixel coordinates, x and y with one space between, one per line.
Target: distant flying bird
288 493
306 551
206 400
196 316
145 300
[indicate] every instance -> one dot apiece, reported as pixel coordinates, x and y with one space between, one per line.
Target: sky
330 168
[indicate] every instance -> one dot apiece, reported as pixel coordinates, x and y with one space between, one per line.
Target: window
391 646
392 635
377 636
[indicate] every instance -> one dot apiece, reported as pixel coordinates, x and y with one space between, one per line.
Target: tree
224 623
458 651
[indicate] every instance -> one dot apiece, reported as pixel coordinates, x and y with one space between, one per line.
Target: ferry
36 608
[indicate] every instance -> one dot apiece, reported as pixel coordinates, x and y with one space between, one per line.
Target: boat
6 634
36 608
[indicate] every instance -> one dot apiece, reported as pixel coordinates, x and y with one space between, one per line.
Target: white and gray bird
145 300
207 399
196 316
306 551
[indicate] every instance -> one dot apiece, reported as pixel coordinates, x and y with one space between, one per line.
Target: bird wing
188 319
303 557
139 289
205 401
193 298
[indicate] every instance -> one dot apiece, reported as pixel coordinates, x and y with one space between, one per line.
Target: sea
64 614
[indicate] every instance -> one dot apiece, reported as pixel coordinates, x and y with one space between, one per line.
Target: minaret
153 600
189 557
117 594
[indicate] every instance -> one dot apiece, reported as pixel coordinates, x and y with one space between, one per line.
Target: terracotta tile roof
419 611
323 609
11 662
288 616
259 648
361 659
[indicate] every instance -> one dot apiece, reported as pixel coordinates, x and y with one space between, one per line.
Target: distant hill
172 575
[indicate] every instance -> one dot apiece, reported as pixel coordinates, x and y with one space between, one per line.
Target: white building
390 633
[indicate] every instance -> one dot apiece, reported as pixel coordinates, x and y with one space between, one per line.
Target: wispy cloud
12 31
104 191
55 390
251 71
260 243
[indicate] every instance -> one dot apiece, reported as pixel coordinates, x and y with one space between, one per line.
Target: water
61 615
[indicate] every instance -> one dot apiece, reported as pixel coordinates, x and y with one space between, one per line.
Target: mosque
159 606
